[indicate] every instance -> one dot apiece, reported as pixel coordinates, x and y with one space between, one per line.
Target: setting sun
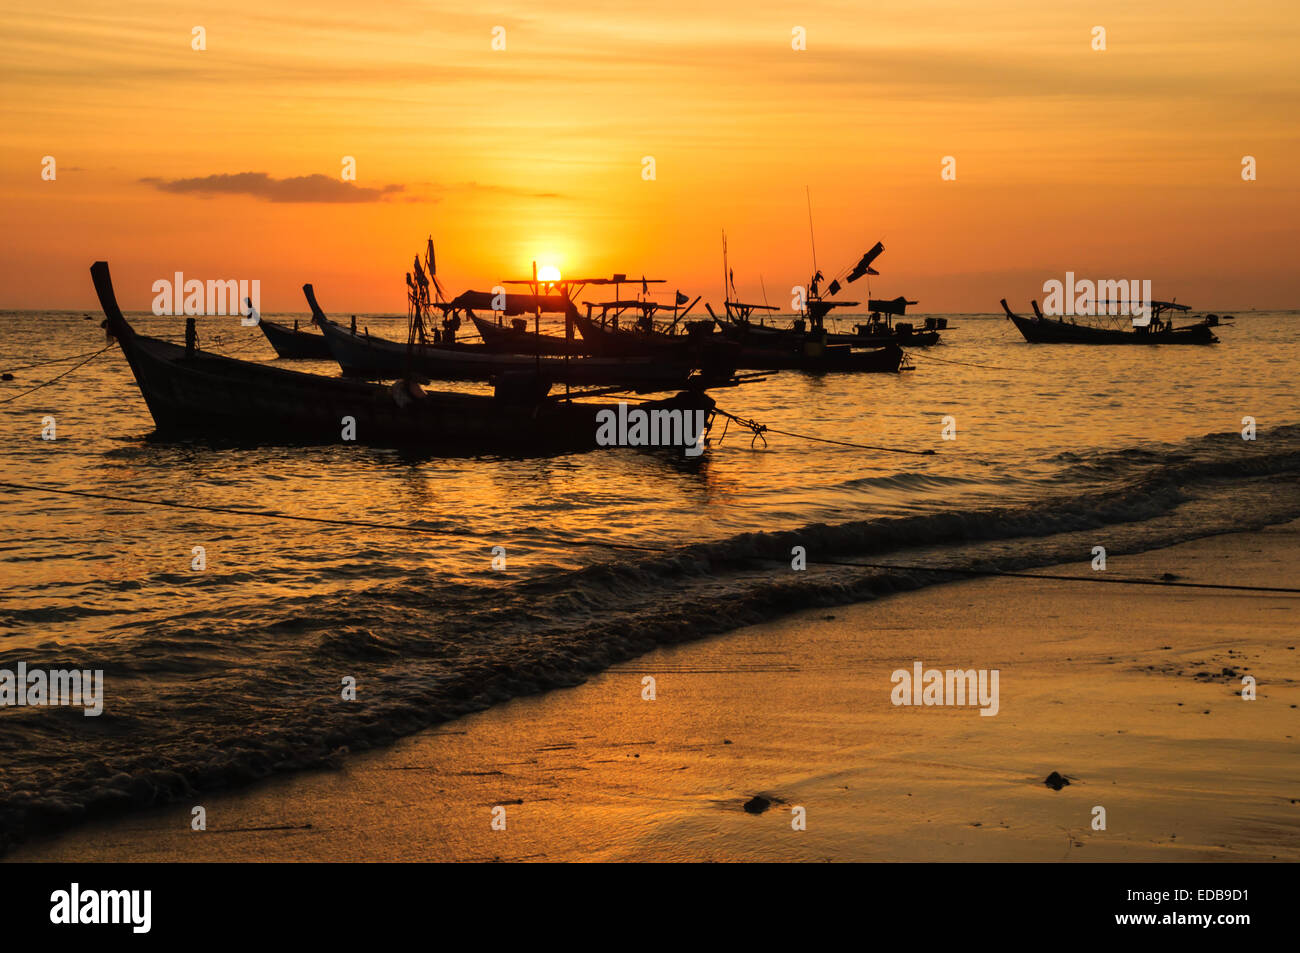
548 273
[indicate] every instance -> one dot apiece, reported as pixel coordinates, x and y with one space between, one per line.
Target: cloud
301 188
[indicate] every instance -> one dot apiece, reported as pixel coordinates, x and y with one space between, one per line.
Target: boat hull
506 340
373 358
712 352
1044 331
832 359
207 395
295 345
192 393
758 335
911 339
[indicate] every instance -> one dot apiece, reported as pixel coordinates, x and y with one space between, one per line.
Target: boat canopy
894 306
514 303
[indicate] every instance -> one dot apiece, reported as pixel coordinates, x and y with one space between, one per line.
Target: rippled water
224 675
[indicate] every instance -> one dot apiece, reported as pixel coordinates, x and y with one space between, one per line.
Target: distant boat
878 330
293 344
1043 330
776 349
882 328
191 392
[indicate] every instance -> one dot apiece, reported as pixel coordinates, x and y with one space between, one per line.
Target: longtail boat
515 338
293 344
363 355
775 349
880 329
1160 330
191 392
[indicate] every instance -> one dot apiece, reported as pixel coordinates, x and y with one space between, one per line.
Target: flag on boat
863 267
645 288
429 259
833 287
681 298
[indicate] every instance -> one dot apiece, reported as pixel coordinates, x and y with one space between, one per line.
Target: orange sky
1117 164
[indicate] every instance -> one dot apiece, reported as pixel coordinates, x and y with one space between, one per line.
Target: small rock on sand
1055 781
757 804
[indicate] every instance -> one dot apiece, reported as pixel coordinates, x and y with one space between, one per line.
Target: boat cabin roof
514 303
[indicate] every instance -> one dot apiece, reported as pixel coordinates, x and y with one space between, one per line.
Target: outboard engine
1212 320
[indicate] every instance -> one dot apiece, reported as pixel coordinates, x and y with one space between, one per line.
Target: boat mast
812 284
812 237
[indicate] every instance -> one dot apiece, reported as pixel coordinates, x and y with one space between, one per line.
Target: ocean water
225 675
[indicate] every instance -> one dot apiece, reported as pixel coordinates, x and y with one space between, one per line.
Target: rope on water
273 514
408 528
944 360
760 429
61 376
57 360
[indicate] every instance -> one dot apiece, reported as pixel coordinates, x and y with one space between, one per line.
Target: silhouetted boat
882 328
1043 330
603 336
292 344
775 349
878 330
515 338
362 355
190 392
820 358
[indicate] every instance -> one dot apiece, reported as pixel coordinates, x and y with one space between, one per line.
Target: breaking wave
196 702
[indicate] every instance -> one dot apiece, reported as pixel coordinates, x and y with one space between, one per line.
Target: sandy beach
1125 690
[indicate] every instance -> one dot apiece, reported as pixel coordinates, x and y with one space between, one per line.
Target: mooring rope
944 360
658 550
59 377
760 429
57 360
273 514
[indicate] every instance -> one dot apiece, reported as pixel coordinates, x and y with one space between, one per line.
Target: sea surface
225 675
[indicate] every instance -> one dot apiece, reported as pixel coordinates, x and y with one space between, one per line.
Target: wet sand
1123 689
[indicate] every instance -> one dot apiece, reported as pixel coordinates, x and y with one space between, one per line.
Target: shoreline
1121 689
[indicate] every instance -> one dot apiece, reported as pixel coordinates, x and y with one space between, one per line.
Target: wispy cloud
302 188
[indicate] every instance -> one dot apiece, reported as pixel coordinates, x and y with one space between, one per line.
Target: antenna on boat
812 238
726 295
537 321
